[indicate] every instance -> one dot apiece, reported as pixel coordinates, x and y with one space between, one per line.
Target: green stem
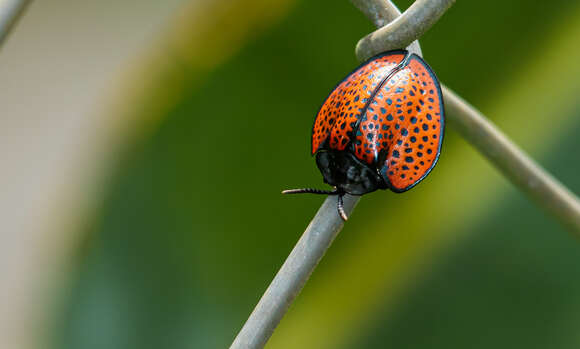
10 12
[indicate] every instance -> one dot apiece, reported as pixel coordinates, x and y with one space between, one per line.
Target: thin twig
10 12
293 275
402 31
381 13
513 162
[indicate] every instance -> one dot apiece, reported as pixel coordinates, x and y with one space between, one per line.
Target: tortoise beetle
381 127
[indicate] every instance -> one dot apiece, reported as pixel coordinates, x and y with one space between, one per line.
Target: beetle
381 127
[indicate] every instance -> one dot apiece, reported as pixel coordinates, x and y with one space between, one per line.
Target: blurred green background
189 227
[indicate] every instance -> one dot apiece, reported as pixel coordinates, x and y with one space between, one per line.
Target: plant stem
293 274
513 162
381 13
10 12
403 30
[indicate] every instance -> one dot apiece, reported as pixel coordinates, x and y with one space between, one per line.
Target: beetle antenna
339 193
340 208
310 191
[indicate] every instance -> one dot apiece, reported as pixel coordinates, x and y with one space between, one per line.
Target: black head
344 171
346 174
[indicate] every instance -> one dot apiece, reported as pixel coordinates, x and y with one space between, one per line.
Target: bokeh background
144 145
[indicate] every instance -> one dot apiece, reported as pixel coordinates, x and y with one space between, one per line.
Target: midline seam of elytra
395 70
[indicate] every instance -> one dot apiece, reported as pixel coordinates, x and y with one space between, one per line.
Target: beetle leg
310 191
338 193
340 208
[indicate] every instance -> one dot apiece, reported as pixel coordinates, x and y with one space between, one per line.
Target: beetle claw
340 208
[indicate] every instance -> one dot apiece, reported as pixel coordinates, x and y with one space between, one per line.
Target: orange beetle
381 127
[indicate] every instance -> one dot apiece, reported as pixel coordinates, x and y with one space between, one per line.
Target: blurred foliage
512 284
193 227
